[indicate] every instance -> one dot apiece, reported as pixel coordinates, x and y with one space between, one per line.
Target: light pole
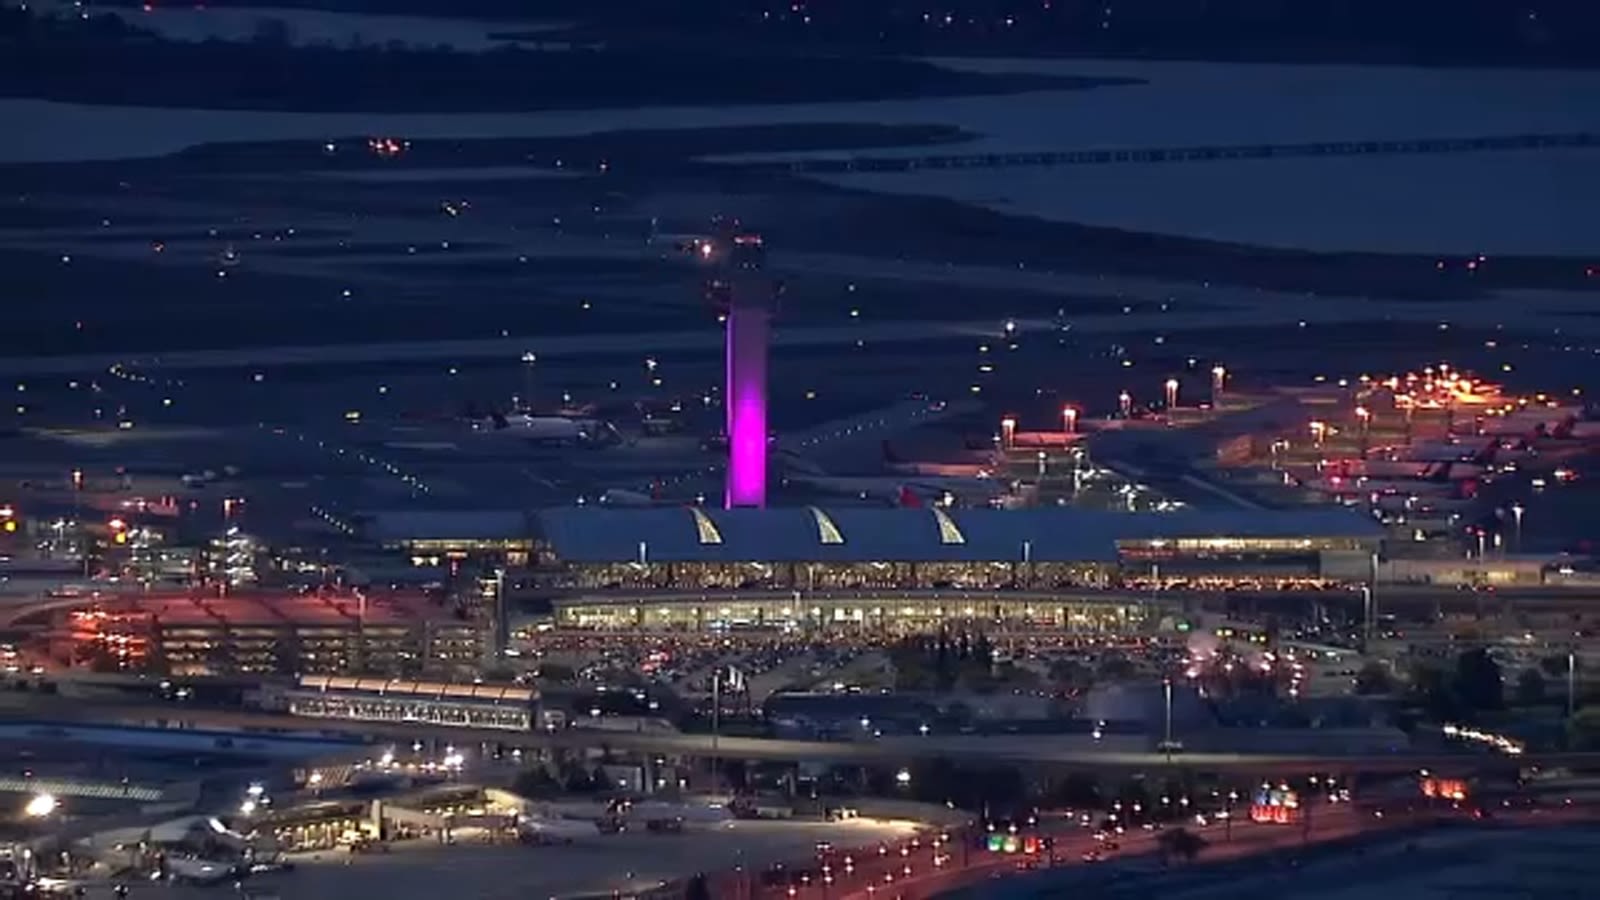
1125 404
1517 510
1572 681
1008 432
1166 690
1069 419
716 722
1366 618
1172 393
1219 375
528 361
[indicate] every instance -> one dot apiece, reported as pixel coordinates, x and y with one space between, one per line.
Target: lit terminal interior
462 705
910 569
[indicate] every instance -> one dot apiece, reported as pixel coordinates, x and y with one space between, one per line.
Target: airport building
1082 570
463 705
400 635
912 569
813 549
433 538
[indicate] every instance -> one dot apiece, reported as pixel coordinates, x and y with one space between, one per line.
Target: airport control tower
741 291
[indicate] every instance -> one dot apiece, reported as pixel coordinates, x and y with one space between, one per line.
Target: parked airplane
1480 451
1411 505
1401 469
1533 423
892 461
657 812
207 476
701 245
625 497
559 430
196 870
1436 482
905 491
543 830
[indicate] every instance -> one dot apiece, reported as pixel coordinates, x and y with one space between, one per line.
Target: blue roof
864 534
394 526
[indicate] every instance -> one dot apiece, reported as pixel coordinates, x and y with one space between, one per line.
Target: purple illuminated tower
744 294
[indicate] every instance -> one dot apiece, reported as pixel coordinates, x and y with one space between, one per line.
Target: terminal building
810 549
912 569
895 569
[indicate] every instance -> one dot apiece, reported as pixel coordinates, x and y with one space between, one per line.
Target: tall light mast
745 296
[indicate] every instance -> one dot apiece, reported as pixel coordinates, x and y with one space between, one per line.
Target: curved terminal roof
865 534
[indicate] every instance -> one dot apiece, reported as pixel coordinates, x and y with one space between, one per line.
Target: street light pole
1366 618
716 722
1572 681
1166 687
528 361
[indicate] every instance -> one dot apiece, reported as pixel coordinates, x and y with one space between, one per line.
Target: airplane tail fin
794 462
908 498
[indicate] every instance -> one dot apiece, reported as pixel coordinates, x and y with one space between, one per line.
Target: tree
1072 674
1078 789
535 783
272 33
1530 688
1181 843
1117 668
285 652
1434 693
1583 729
1374 678
556 673
1478 682
1556 666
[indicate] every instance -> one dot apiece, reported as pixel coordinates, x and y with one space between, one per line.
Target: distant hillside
1475 32
103 61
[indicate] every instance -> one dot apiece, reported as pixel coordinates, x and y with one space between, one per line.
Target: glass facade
497 707
830 576
443 712
859 613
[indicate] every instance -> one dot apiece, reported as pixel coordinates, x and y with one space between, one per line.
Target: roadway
888 750
912 161
1576 596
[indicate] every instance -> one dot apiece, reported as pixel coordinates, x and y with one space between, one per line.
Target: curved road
1019 749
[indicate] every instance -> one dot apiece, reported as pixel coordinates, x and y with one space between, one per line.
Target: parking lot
614 863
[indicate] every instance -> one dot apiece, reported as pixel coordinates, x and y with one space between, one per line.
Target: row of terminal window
450 713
